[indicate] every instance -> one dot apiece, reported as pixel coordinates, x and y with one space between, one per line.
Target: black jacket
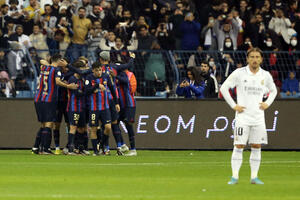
210 87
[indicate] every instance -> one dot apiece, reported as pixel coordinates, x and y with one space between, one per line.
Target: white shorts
244 134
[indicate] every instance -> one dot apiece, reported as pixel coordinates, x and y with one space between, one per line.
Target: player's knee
80 130
107 129
256 146
240 146
73 129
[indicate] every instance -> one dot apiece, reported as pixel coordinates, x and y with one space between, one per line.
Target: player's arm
198 89
60 83
77 92
229 83
126 65
89 88
112 89
272 95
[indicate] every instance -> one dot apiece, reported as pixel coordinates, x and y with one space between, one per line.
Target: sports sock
99 135
46 137
129 128
38 138
85 140
236 161
117 134
71 142
105 140
56 136
94 144
76 140
255 158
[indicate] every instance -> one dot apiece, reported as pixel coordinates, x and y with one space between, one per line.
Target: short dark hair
56 57
255 49
82 8
78 64
204 62
47 5
4 5
96 65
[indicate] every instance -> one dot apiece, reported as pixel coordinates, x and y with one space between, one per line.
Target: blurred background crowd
168 37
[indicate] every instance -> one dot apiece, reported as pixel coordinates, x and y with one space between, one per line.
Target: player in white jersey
251 83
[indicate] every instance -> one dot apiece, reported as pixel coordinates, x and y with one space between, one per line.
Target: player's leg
56 136
129 120
241 135
46 138
258 136
94 123
73 118
105 118
82 146
122 117
37 142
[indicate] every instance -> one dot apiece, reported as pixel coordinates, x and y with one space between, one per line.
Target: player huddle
85 95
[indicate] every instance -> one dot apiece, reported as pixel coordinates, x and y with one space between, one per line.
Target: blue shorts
113 112
127 114
96 116
61 111
45 111
77 118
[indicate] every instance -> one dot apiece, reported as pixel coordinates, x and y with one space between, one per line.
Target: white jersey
250 89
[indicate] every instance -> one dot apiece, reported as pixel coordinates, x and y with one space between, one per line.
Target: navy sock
99 135
86 140
56 136
117 134
38 138
46 137
129 128
104 142
71 142
76 140
94 143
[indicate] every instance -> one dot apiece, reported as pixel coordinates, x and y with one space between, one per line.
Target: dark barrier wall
167 124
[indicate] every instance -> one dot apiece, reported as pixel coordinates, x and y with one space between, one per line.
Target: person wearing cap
5 85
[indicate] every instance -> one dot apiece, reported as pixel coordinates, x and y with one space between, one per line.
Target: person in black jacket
211 85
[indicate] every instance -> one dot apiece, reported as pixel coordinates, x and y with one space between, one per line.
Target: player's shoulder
240 71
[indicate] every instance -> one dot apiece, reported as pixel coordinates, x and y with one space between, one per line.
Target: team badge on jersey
59 73
262 82
87 82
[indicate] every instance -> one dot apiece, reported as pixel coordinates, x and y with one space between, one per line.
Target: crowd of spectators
38 28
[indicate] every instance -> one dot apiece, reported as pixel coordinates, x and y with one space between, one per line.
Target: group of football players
85 94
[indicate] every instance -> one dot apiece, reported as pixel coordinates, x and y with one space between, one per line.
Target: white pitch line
203 163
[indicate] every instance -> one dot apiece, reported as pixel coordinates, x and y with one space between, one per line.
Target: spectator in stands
155 68
176 19
81 27
266 12
294 45
208 36
108 41
86 4
145 40
49 20
126 25
190 32
6 86
4 15
244 11
38 41
34 10
228 65
95 36
3 61
18 36
55 8
192 86
290 87
119 52
277 82
14 11
246 45
35 59
22 88
57 44
211 85
226 27
97 13
3 41
282 26
164 37
14 60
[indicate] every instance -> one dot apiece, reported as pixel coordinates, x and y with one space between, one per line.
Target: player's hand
263 106
72 86
132 55
239 108
112 73
44 62
117 107
102 87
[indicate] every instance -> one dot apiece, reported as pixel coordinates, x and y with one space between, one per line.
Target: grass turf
151 175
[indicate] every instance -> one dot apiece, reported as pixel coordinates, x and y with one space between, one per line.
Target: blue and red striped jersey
107 70
98 100
47 88
76 98
125 85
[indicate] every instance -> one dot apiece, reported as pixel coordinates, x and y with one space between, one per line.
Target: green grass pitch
151 175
